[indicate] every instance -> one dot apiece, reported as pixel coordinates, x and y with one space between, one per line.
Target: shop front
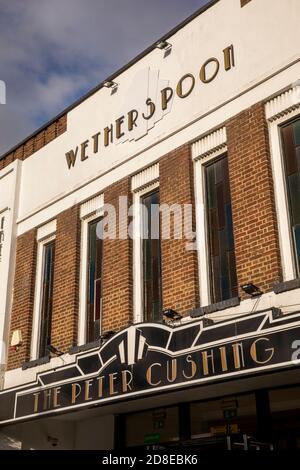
204 384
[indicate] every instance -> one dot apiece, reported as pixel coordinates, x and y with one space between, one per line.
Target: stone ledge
36 362
286 286
199 312
84 347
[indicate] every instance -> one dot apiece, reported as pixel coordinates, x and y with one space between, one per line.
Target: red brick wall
255 231
252 193
117 268
179 266
66 280
36 142
23 297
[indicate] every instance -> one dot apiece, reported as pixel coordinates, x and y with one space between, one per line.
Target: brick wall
36 142
117 268
23 297
252 193
66 280
255 231
179 266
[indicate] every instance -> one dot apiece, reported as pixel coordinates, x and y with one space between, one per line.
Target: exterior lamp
163 45
251 289
172 315
110 84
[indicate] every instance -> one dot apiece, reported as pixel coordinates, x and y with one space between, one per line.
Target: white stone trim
283 104
205 149
91 206
209 144
138 308
201 234
145 177
278 111
46 230
38 296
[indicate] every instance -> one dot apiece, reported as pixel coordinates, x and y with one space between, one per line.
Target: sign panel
150 358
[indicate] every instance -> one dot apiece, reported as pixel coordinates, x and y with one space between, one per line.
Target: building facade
150 247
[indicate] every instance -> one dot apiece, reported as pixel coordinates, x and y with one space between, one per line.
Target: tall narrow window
47 295
151 258
94 281
220 231
291 150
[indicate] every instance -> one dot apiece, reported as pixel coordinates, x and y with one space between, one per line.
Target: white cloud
53 52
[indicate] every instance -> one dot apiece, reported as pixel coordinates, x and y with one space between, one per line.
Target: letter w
71 157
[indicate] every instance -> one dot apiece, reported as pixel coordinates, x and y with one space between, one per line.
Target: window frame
138 278
84 250
93 221
286 243
202 235
205 165
37 310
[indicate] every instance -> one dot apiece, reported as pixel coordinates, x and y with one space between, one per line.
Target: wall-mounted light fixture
251 289
110 84
163 45
171 315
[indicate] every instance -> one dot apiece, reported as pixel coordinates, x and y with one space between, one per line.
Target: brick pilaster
179 266
66 280
117 267
23 297
252 194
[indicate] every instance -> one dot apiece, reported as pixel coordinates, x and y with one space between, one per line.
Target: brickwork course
117 267
66 280
179 266
252 197
23 296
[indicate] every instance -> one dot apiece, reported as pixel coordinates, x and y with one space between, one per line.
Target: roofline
114 75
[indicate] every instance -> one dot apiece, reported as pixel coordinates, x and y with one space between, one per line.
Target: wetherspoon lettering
127 122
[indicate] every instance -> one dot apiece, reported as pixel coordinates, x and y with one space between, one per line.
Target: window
94 281
152 427
207 415
46 299
151 256
290 135
223 277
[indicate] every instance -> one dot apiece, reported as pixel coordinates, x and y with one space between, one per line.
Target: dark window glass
220 231
47 295
94 285
152 427
151 258
291 151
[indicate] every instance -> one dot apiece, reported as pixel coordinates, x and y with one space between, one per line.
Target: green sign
152 438
229 414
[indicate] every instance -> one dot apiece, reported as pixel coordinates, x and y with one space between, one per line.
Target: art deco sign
135 123
151 358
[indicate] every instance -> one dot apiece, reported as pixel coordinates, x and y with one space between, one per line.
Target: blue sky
52 52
